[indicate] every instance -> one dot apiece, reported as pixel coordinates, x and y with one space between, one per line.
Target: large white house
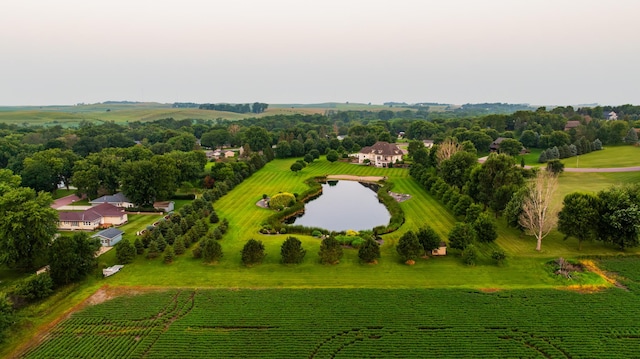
380 154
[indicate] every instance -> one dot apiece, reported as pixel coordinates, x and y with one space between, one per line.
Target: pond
345 205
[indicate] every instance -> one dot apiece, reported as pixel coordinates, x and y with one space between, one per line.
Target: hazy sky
308 51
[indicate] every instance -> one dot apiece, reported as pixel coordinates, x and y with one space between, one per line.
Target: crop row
323 323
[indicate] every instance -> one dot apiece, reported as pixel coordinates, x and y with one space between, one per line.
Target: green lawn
610 156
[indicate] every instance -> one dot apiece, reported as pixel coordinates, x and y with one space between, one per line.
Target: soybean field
357 323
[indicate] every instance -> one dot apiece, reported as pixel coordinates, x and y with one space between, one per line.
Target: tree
253 252
72 258
153 250
27 225
370 251
330 251
579 216
513 210
211 250
529 138
555 167
486 228
297 148
35 287
296 167
511 147
409 247
455 170
538 215
494 182
283 150
139 246
308 158
146 181
257 138
215 138
125 252
499 256
6 315
619 216
291 251
332 156
429 239
470 255
461 235
631 137
169 255
446 149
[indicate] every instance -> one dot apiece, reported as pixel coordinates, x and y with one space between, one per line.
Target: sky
543 52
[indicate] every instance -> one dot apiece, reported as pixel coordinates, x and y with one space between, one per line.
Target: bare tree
446 149
538 216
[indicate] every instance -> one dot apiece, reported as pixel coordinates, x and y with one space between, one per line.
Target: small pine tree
330 251
139 246
152 252
409 247
291 251
597 145
125 252
253 252
169 255
179 247
522 162
217 234
197 251
201 229
170 236
213 218
543 157
211 250
631 137
161 242
370 251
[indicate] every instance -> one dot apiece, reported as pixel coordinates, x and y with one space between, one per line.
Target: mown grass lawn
610 156
524 269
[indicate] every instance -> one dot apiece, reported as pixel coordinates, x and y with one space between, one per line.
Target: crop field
356 323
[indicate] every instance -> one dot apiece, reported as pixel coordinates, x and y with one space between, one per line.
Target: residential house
103 215
571 124
118 200
381 154
428 143
109 237
495 146
229 154
611 116
441 250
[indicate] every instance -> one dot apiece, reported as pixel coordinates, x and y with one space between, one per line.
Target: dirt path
357 178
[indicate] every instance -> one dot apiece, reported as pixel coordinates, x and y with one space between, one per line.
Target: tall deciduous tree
579 216
461 235
619 216
455 170
332 156
495 181
538 215
72 258
446 149
27 225
428 238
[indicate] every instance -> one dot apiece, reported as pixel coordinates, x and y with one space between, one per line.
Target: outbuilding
109 237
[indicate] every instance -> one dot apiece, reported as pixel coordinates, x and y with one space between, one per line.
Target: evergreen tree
161 242
330 251
125 252
370 251
292 251
139 246
253 252
152 252
169 255
632 136
217 234
211 250
213 218
409 247
170 235
179 247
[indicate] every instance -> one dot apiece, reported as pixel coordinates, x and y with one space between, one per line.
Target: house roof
383 148
571 124
109 233
116 198
106 209
85 216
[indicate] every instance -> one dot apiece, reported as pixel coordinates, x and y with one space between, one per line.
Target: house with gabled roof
381 154
102 215
571 124
109 237
118 200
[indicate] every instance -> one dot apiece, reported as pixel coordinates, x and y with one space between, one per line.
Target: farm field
355 323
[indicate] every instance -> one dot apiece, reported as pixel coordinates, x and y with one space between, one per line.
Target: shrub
470 255
253 252
35 287
291 251
330 251
499 256
281 200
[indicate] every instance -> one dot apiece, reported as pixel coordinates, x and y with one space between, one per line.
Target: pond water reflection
345 205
